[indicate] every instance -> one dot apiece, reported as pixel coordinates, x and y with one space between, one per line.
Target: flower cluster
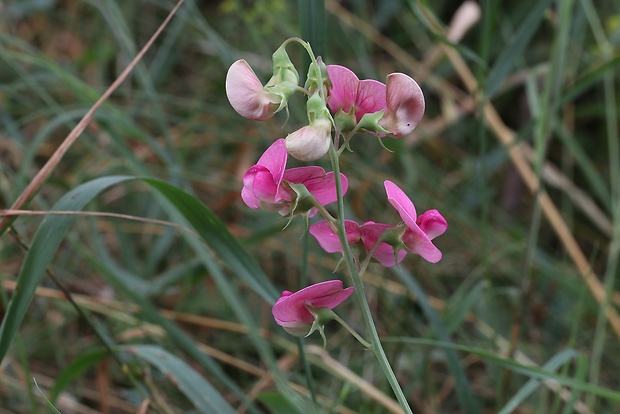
338 101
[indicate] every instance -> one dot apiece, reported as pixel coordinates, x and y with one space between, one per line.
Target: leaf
197 389
77 367
528 370
43 248
516 46
216 235
469 404
530 386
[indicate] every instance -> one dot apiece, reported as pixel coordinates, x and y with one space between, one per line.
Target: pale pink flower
401 100
265 184
420 230
247 95
405 105
291 310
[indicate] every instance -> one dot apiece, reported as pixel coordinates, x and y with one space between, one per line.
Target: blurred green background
516 93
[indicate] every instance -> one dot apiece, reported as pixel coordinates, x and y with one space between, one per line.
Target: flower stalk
375 342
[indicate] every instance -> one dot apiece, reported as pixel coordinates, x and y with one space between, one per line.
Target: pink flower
265 184
420 230
365 235
401 100
348 93
247 95
405 105
291 310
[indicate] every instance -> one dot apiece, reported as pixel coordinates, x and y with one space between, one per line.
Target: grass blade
43 248
516 46
468 402
198 390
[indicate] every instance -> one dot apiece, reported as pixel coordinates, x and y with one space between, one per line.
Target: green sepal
317 76
344 121
304 202
285 80
321 317
370 122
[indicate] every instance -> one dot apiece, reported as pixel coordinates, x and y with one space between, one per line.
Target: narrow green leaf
216 235
530 371
530 386
49 404
43 248
468 401
197 389
516 46
312 22
76 368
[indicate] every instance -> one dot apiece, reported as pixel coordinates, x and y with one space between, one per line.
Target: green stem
375 342
352 331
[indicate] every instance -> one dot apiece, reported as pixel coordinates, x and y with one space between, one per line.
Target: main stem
377 348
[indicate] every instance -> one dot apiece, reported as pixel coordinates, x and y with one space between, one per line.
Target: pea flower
362 237
299 313
405 105
272 187
311 142
419 230
353 96
357 101
250 98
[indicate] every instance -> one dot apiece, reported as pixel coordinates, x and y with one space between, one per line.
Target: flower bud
312 141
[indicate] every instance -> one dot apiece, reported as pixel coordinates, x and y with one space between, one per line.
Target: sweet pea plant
339 106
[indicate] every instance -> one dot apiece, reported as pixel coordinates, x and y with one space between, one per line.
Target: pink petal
328 239
418 242
399 200
249 199
432 223
246 93
324 188
263 187
343 93
405 104
370 98
300 174
292 307
384 253
274 159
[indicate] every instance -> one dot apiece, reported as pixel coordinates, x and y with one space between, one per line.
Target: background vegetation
521 315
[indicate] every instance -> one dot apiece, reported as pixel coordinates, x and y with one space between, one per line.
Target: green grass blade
49 404
312 21
530 386
43 248
76 368
198 390
527 370
516 46
216 235
468 401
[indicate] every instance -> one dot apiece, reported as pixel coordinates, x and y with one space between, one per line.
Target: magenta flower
291 310
349 94
420 230
247 95
401 100
265 184
365 236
